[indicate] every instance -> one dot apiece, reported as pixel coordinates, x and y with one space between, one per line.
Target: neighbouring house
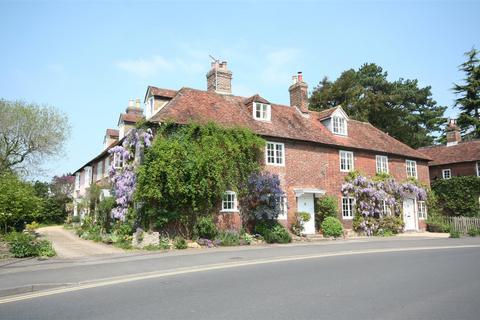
456 158
95 171
312 152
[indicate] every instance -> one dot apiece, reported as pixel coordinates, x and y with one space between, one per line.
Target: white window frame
117 160
345 157
151 105
77 181
422 210
99 165
283 208
233 202
386 209
411 166
107 166
264 109
339 125
446 173
348 204
381 164
277 161
88 176
478 168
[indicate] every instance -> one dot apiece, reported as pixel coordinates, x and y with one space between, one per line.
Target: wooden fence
462 224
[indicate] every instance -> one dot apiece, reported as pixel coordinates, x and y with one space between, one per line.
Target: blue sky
89 58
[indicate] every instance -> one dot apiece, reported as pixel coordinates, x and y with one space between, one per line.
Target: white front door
305 203
409 214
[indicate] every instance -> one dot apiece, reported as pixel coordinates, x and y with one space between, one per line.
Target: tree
29 134
54 196
19 203
401 108
469 96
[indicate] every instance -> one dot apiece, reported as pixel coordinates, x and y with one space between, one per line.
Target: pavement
392 278
69 245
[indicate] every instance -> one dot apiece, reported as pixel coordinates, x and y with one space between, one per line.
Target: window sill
347 218
229 211
275 165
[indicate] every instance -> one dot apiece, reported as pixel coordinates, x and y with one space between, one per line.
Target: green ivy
188 168
458 196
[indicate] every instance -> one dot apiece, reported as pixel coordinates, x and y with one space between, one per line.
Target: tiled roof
130 117
463 152
162 92
112 133
255 98
286 122
324 114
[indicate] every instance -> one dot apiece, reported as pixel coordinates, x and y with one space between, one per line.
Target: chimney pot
300 76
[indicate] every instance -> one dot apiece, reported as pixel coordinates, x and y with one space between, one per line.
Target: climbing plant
189 167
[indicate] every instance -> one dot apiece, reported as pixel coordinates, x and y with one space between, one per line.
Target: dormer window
261 111
339 125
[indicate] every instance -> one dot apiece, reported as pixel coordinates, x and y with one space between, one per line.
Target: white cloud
145 68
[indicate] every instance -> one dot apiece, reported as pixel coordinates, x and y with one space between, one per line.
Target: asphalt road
405 283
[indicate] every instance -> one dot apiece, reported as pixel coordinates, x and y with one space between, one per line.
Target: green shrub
76 219
458 196
392 224
164 243
454 234
385 233
473 232
180 243
24 245
205 228
247 238
332 227
326 206
437 224
18 203
273 232
228 238
45 249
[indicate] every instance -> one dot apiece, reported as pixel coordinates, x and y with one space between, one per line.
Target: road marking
211 267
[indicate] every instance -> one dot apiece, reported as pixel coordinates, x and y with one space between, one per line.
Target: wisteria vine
370 197
122 170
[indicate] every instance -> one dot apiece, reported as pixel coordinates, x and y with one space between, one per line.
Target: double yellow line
211 267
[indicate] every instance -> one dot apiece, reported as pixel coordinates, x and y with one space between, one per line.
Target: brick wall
312 166
457 169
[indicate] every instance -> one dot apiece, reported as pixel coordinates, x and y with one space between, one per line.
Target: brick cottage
456 158
312 152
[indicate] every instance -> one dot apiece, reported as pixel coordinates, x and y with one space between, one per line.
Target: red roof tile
324 114
112 133
463 152
160 92
131 117
286 122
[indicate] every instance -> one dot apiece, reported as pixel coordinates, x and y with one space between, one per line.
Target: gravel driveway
69 245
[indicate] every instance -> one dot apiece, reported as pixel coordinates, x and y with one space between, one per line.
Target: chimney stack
453 133
299 93
219 78
134 107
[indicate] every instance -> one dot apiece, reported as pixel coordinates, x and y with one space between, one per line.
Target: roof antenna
217 61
